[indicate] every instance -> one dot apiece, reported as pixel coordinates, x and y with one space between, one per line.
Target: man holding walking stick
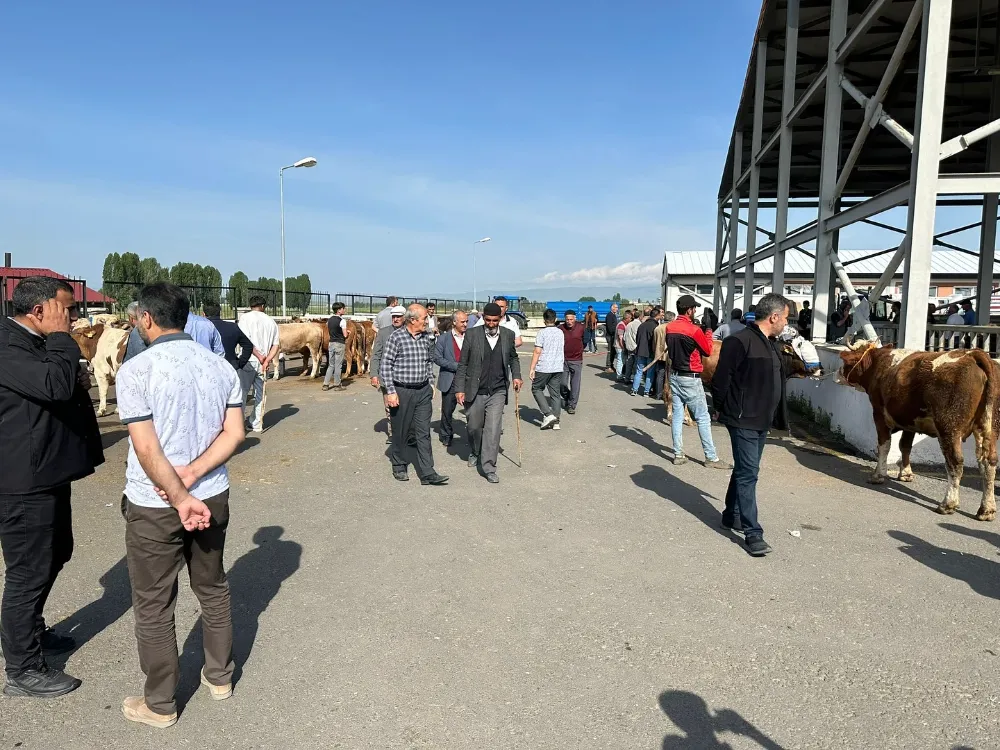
489 358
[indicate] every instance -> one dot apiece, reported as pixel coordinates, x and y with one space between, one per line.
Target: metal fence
230 299
7 284
942 337
369 304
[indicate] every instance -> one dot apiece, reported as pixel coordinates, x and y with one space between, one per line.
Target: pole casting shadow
701 728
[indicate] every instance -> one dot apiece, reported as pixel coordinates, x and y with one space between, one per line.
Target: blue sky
580 136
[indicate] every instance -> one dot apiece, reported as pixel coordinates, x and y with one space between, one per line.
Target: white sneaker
548 420
556 426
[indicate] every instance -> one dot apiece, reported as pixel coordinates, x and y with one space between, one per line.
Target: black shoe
44 682
401 476
492 478
571 410
757 547
473 461
435 479
731 526
53 643
446 442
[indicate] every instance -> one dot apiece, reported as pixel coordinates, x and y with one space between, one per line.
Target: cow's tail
992 395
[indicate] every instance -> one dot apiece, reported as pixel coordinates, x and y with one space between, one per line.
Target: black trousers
448 406
411 427
629 372
36 534
611 350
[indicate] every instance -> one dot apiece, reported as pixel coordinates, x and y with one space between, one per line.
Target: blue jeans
640 364
619 362
690 392
741 497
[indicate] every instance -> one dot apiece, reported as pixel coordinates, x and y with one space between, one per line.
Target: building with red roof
12 277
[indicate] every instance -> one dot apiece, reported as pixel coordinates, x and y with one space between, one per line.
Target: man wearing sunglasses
49 439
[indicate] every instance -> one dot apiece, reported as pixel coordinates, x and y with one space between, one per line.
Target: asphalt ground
589 600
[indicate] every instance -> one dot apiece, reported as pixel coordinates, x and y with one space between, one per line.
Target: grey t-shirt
551 341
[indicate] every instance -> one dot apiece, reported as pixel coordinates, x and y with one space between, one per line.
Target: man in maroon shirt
573 356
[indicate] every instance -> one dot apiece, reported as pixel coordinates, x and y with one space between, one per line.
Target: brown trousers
157 547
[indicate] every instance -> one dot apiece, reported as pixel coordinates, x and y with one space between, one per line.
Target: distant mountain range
644 293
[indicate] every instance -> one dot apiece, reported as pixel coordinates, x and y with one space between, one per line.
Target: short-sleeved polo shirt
185 390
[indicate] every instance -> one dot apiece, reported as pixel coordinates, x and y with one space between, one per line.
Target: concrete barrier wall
850 413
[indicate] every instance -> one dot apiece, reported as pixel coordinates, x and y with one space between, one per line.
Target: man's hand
194 514
186 474
83 377
518 383
54 317
375 382
531 374
460 398
392 400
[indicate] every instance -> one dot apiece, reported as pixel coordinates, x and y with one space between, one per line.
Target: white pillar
933 68
988 231
720 249
734 221
755 143
785 145
826 240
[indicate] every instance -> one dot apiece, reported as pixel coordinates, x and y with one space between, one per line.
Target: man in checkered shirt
406 372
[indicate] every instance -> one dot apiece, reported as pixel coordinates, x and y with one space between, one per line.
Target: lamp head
309 161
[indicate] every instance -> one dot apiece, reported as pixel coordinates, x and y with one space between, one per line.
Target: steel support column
734 224
988 231
785 145
826 239
933 68
755 142
720 249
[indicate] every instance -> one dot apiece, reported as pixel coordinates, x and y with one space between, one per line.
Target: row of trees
126 273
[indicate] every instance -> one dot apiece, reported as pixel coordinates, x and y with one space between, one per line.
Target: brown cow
104 347
947 395
354 347
293 338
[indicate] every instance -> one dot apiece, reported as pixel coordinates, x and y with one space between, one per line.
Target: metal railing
369 304
942 337
230 299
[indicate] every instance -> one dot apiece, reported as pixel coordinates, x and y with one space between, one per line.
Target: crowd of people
181 396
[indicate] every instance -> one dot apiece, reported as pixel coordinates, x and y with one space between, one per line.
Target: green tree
238 284
587 299
110 275
151 271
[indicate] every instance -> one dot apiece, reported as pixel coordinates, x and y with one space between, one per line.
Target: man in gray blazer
488 365
447 352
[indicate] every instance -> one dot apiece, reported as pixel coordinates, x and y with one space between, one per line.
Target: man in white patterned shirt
183 406
405 372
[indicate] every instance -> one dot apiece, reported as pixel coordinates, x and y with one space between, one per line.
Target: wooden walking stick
517 414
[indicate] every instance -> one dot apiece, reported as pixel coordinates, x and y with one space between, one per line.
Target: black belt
410 386
686 374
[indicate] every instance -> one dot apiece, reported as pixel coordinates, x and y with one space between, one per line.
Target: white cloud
632 272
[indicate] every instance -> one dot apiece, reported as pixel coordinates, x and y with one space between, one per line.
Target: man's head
952 309
212 309
627 317
338 308
669 316
549 317
492 314
570 318
397 313
771 314
163 308
258 303
646 312
657 312
431 308
459 321
590 308
30 294
132 311
967 304
391 301
687 306
502 302
415 318
805 305
614 307
736 314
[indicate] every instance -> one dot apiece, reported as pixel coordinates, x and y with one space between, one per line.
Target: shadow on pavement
249 442
273 416
92 619
254 581
685 496
701 728
982 575
530 415
643 439
112 437
987 536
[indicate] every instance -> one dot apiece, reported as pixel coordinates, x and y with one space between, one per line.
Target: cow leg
687 417
316 355
905 445
102 390
951 447
986 452
884 441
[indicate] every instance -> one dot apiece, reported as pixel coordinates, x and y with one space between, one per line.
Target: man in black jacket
232 336
610 325
488 365
748 390
49 439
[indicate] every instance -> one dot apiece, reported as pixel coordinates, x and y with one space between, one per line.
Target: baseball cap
686 302
397 310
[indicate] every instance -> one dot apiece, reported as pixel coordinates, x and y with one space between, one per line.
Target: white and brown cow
947 395
293 338
104 347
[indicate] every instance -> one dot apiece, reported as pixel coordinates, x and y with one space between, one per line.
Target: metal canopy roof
884 161
944 264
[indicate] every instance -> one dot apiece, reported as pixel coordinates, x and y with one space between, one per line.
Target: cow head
794 366
86 339
857 364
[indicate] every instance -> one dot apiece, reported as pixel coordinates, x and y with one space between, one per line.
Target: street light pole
309 161
474 289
